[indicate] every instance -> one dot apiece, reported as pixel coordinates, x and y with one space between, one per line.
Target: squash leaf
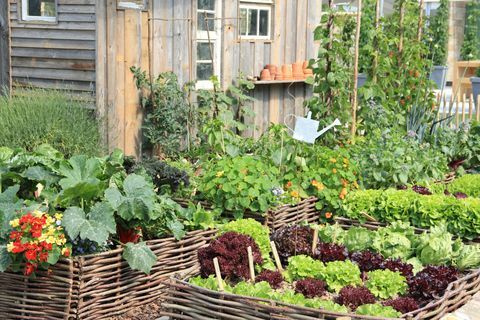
139 256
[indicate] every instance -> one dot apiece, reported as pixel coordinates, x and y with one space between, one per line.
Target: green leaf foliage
378 310
10 206
96 226
435 247
468 257
254 229
338 274
5 258
139 256
393 242
358 239
137 200
301 267
386 284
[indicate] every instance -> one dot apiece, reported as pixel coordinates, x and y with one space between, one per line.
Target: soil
150 311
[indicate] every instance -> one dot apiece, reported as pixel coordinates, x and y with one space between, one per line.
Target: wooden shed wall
173 34
55 55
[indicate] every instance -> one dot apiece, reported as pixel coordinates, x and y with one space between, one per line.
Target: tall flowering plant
37 241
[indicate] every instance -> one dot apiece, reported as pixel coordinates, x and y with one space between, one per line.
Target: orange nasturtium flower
318 185
333 160
344 183
328 215
288 185
334 170
343 193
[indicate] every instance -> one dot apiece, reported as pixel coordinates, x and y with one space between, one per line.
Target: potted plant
471 44
438 34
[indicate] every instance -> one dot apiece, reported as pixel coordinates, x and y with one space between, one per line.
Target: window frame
215 36
46 19
256 5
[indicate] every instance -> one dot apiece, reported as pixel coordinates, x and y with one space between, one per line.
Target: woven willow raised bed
186 301
274 218
98 286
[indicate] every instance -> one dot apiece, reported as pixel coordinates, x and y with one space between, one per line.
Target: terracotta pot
265 75
287 72
272 68
297 67
308 72
305 64
279 76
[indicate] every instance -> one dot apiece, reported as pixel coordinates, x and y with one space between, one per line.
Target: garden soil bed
98 286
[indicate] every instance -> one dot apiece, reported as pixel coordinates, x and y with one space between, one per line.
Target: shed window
39 10
255 21
208 42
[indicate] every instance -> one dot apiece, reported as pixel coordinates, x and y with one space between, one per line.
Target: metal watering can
306 128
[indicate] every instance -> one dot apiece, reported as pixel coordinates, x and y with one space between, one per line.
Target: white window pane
204 71
253 22
41 8
203 51
206 5
243 22
202 22
264 23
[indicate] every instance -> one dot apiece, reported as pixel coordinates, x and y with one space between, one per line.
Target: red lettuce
310 287
367 260
402 304
406 269
327 252
431 282
293 240
231 250
274 278
353 297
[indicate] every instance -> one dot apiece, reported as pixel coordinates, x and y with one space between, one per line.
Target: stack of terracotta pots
296 71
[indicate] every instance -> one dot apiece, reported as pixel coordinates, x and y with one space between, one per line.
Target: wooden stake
276 257
477 108
315 239
400 26
218 274
470 107
355 71
420 21
250 264
375 58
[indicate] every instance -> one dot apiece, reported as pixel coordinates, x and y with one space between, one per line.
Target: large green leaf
38 173
10 207
95 228
5 259
139 257
5 154
80 178
138 200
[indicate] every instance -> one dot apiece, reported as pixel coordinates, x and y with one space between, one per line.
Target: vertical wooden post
470 107
377 25
400 26
420 21
355 71
101 69
5 55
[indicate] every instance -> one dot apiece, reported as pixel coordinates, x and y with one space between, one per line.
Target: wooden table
462 73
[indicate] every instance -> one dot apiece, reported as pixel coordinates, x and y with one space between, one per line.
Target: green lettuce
394 241
435 247
468 257
302 266
378 310
358 239
386 284
339 274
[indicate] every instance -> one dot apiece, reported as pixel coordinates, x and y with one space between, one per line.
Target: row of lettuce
385 272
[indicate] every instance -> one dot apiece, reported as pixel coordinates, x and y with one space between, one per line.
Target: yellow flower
345 160
38 213
220 173
15 223
50 220
295 194
355 184
51 240
10 247
318 185
334 170
60 242
333 160
58 216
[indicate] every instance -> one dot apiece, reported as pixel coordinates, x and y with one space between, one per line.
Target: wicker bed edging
98 286
188 302
274 218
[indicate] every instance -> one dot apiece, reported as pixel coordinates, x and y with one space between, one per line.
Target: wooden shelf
260 82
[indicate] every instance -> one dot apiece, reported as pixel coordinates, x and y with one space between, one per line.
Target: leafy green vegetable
435 247
416 263
468 184
210 283
331 233
386 284
358 239
139 256
468 257
260 289
378 310
392 242
301 267
339 274
5 258
328 305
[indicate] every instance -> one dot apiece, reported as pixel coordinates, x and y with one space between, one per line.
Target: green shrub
33 117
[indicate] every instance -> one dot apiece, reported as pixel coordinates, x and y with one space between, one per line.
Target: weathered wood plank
111 74
53 44
54 84
5 80
43 33
301 40
58 74
65 64
101 81
54 53
119 87
65 25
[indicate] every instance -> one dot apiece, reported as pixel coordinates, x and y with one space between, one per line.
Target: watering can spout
335 123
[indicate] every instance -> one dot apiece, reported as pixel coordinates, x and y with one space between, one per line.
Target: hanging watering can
306 129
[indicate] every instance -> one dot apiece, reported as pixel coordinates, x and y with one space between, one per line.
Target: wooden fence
458 109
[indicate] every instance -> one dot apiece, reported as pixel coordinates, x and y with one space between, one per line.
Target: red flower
43 257
47 246
31 255
16 235
66 252
29 268
18 247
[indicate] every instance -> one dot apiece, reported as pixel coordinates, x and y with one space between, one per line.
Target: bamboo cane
250 264
355 71
218 275
276 256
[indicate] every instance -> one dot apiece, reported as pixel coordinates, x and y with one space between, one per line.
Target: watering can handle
285 121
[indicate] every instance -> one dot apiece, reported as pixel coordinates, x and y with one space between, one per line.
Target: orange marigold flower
334 170
344 183
333 160
328 215
295 194
288 185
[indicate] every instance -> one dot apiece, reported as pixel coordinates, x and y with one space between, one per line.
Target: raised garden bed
98 286
187 301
